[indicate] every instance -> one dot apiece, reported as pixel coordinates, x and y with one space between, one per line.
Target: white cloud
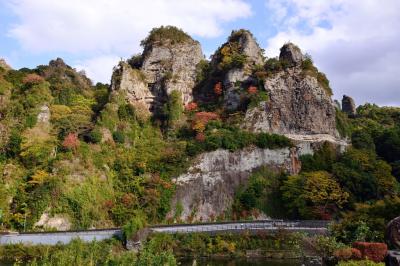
118 25
99 68
354 42
98 28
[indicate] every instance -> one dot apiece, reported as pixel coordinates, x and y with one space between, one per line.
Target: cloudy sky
355 42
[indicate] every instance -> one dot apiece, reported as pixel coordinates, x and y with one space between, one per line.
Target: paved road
52 238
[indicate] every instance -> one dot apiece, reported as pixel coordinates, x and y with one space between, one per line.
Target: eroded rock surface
297 105
162 68
245 43
207 189
291 54
348 105
57 222
171 67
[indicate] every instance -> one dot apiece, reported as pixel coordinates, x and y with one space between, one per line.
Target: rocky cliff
168 63
297 104
236 59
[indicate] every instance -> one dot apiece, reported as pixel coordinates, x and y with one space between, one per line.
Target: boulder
44 115
349 106
291 54
392 234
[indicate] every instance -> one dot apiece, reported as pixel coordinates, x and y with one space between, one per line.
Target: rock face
44 114
392 234
58 222
249 48
297 103
348 105
164 66
291 54
132 83
171 67
208 188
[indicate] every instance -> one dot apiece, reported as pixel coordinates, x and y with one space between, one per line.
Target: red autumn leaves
71 141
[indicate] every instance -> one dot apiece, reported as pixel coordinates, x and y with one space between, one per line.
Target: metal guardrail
52 238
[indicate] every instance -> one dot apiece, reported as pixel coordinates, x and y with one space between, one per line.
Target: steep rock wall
171 67
297 105
207 189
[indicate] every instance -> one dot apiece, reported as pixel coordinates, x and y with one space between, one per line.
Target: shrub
137 223
95 136
32 79
165 34
372 251
347 254
71 141
118 136
360 263
192 106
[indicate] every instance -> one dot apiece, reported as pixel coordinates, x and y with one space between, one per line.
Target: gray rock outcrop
249 48
207 189
171 67
132 84
164 66
348 105
297 104
291 54
44 115
392 234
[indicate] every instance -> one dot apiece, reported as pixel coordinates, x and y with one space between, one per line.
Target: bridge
64 237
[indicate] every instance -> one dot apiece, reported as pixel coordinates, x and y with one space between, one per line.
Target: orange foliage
218 88
252 89
32 79
191 106
372 251
201 119
348 254
128 199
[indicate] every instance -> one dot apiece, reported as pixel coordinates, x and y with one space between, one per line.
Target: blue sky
354 42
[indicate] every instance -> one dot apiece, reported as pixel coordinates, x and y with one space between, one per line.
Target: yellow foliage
39 177
321 188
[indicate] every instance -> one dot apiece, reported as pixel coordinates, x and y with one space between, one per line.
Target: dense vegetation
359 187
77 151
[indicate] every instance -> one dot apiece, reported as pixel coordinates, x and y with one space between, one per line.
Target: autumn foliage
252 89
372 251
191 106
32 79
348 254
218 88
71 141
201 119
